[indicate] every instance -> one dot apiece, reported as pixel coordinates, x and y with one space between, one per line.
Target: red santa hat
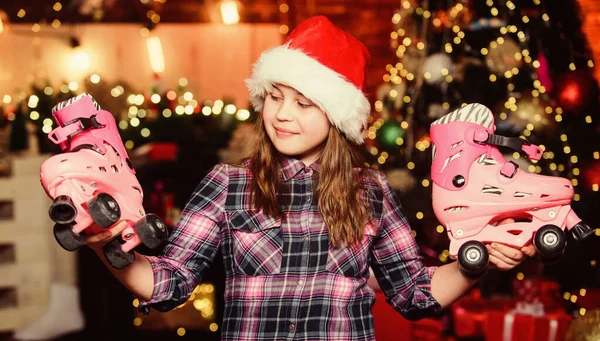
325 64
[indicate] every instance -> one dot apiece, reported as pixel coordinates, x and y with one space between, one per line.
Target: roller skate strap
72 128
533 152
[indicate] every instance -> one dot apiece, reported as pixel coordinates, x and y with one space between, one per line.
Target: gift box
538 289
527 290
516 326
470 313
533 314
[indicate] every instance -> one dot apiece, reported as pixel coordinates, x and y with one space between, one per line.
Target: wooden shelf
25 244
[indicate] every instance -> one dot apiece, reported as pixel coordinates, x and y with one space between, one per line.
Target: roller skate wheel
473 255
115 255
151 230
111 203
459 232
552 214
550 239
104 210
473 259
67 238
550 243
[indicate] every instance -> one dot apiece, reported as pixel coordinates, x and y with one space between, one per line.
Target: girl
300 221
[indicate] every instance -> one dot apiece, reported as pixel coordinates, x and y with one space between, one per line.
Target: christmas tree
530 63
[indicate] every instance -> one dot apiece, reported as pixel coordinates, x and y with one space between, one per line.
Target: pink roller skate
93 181
474 187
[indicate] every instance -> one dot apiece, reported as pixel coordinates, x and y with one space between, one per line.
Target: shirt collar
290 167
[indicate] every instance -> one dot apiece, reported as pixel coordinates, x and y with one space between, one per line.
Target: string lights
202 301
284 9
137 105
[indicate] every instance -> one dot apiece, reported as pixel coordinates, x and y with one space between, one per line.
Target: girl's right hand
97 241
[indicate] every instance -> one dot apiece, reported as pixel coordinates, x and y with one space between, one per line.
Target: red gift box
475 317
538 289
527 290
512 326
470 313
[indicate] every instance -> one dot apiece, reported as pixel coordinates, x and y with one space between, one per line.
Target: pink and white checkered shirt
284 281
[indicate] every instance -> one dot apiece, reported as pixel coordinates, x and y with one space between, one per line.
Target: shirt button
307 199
300 282
292 326
305 238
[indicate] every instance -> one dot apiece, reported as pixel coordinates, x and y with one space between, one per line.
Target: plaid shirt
283 279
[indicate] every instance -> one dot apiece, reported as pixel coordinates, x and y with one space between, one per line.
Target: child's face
294 124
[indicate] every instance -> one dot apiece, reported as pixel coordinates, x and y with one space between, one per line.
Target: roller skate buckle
72 128
533 152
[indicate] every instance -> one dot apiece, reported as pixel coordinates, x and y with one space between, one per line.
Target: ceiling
177 10
350 15
129 10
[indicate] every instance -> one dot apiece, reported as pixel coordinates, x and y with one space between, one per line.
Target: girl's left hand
504 257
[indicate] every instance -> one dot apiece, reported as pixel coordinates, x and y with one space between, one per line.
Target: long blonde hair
341 198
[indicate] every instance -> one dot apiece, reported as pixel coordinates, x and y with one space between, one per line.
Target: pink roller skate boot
474 187
93 181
